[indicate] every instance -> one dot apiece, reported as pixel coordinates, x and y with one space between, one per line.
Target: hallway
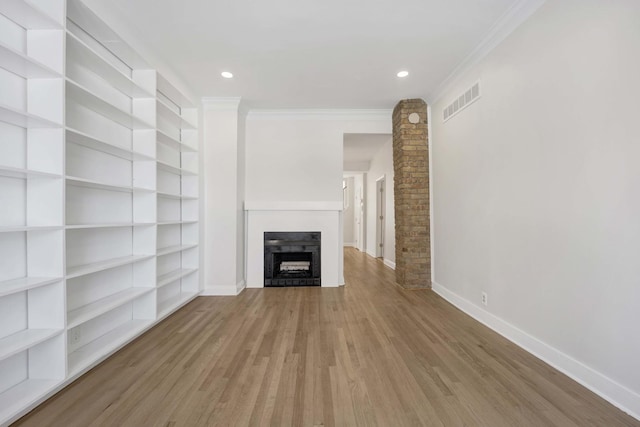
369 353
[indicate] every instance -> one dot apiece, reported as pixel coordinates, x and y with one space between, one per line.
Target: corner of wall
508 22
240 286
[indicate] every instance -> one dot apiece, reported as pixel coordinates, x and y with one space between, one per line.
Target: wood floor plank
367 354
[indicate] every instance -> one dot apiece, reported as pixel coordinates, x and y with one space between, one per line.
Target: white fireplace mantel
322 216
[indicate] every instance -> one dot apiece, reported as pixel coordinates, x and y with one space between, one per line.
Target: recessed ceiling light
226 75
403 74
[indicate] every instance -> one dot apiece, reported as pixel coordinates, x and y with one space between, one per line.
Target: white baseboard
220 291
350 244
331 285
386 261
618 395
240 286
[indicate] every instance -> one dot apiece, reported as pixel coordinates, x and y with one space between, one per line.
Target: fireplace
292 258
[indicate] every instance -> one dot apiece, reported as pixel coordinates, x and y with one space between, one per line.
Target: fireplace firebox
292 258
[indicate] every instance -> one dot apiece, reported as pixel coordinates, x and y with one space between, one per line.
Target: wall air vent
461 102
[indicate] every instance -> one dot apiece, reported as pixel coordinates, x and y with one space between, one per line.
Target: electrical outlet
75 335
484 298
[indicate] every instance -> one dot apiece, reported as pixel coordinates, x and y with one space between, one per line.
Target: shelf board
20 396
174 275
175 196
173 303
173 169
175 248
84 17
171 92
85 97
21 173
23 65
80 138
166 113
169 195
21 228
176 222
91 311
22 284
103 346
108 225
24 340
164 139
80 52
24 119
28 15
94 267
88 183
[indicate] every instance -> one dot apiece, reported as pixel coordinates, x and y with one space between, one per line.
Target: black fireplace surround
291 258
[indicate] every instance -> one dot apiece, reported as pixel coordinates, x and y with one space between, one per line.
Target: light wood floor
368 354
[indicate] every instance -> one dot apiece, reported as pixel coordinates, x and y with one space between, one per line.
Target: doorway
353 209
369 158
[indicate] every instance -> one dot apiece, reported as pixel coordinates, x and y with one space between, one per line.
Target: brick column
411 192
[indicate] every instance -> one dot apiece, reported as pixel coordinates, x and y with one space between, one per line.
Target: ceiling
310 53
361 147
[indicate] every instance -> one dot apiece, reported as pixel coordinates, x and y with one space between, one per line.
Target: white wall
348 214
222 192
293 160
381 165
297 156
536 192
240 220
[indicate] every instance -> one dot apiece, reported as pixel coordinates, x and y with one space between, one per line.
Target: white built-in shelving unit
99 197
32 293
177 197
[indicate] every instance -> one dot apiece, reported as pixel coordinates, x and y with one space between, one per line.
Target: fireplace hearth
291 258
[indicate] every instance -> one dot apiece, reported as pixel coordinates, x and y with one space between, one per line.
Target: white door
363 215
380 216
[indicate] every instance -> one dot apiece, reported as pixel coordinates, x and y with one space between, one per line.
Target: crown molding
221 103
243 110
508 22
322 114
250 205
